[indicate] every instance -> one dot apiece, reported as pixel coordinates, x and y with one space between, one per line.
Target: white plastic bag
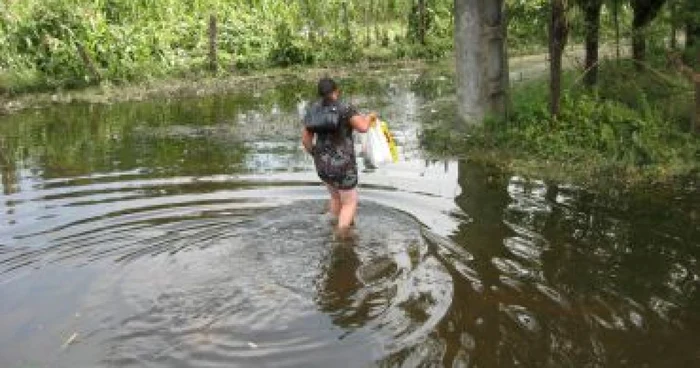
378 151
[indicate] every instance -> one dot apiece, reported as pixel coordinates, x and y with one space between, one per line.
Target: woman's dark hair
326 87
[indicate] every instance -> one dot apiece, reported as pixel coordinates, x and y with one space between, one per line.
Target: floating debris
70 340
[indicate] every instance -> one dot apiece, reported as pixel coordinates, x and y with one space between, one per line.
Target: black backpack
324 118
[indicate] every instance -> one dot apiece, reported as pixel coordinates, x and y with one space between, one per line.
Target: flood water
192 233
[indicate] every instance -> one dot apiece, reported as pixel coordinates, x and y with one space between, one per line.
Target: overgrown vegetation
71 43
634 126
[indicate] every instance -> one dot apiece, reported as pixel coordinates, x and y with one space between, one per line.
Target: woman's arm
361 123
307 139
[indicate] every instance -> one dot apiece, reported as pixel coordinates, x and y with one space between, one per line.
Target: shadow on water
191 233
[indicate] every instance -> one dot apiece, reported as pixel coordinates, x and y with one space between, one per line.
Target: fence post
213 59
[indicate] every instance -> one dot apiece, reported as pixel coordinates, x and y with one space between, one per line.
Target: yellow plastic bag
378 151
390 140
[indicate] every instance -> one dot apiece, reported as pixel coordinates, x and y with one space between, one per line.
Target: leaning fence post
213 63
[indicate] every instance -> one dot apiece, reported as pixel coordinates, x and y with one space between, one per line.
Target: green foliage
130 40
126 40
527 24
289 50
628 124
435 48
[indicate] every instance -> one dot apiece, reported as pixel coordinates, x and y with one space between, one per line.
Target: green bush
288 49
435 48
628 123
49 39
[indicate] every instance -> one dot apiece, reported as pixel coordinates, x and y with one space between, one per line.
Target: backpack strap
344 110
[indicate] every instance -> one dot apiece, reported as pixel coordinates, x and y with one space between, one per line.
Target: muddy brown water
192 233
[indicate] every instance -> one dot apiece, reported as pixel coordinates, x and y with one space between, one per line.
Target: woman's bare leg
334 201
348 208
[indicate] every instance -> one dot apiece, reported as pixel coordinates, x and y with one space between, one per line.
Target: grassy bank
59 44
634 127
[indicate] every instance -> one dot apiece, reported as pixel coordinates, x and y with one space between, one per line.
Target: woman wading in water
331 122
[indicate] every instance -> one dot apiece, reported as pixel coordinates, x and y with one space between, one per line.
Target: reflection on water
191 233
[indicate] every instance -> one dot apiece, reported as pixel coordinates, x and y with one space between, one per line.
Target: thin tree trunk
346 22
421 21
692 34
639 45
695 78
696 118
557 41
638 38
367 10
616 17
674 39
213 62
592 19
376 18
673 8
644 12
692 24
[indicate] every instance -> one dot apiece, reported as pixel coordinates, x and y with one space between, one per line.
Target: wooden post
213 59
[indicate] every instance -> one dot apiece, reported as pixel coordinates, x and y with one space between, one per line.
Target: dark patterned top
334 153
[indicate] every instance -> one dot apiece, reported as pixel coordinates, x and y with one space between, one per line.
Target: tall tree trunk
377 18
639 44
482 65
616 18
368 8
421 22
346 22
692 34
592 19
673 9
695 79
644 12
696 118
691 20
557 41
213 59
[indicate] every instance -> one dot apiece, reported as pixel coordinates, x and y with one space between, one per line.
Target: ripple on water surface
189 233
269 286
